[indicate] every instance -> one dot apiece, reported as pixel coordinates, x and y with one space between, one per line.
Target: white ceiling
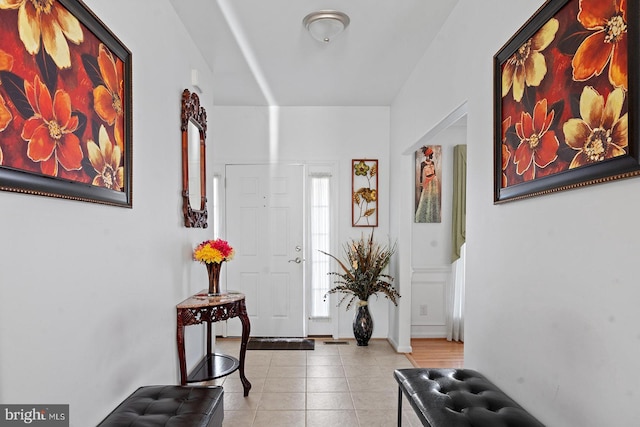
261 54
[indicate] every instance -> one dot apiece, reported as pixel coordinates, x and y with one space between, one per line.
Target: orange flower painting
65 103
562 94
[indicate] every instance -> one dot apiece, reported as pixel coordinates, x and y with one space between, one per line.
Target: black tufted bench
458 398
170 406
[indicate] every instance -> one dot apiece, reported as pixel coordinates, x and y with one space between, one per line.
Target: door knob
297 260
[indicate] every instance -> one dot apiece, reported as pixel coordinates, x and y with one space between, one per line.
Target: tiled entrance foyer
343 385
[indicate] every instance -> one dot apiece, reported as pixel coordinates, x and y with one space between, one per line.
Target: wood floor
436 353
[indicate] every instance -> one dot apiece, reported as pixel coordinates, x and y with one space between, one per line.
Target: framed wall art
428 187
565 99
65 104
364 193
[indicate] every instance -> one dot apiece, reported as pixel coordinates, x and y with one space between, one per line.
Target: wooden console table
201 308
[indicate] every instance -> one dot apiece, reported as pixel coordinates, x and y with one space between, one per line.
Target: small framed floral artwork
364 193
428 195
565 99
65 104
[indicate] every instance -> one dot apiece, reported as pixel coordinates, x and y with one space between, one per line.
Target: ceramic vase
362 324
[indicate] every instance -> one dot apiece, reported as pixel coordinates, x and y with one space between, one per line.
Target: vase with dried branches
362 276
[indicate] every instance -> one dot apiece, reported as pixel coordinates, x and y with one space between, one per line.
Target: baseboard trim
398 348
428 335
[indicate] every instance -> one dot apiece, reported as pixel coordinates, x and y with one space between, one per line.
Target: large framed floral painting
65 103
364 193
565 96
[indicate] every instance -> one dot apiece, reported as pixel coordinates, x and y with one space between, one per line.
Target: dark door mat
280 344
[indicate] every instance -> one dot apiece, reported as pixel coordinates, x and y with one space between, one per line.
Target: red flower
50 130
213 252
608 43
538 145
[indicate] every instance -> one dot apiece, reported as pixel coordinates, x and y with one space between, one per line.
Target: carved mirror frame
195 115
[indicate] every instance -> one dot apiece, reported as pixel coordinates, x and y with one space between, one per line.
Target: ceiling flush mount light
324 25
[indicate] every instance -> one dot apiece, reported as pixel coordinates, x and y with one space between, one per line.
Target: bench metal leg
399 407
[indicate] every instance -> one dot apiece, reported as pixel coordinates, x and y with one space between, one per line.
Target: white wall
552 292
314 135
88 292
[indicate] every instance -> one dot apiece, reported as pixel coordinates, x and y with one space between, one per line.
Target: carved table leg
246 329
181 355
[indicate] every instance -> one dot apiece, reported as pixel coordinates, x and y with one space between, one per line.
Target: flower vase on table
212 253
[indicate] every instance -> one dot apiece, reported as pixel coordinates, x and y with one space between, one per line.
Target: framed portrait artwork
428 186
565 99
364 193
65 104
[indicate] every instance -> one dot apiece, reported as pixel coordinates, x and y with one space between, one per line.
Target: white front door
264 224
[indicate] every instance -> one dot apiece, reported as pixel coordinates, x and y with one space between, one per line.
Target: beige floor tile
279 419
367 400
282 402
326 349
258 357
327 385
238 418
324 360
289 358
237 401
364 371
409 418
317 401
325 372
285 385
234 385
396 361
287 372
372 384
332 418
252 371
378 418
359 360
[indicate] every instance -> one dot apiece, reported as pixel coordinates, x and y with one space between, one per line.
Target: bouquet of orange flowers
213 251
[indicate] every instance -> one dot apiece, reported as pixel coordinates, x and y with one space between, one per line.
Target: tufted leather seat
459 398
170 406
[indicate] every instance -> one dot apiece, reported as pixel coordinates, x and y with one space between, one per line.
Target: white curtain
455 299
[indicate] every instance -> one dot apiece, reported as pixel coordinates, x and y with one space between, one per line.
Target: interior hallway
334 384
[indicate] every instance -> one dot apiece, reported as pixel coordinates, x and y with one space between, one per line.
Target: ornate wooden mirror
194 190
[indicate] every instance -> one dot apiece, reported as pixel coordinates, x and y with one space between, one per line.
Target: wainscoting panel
429 287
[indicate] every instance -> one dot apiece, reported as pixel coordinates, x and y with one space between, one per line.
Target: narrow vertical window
320 233
216 210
